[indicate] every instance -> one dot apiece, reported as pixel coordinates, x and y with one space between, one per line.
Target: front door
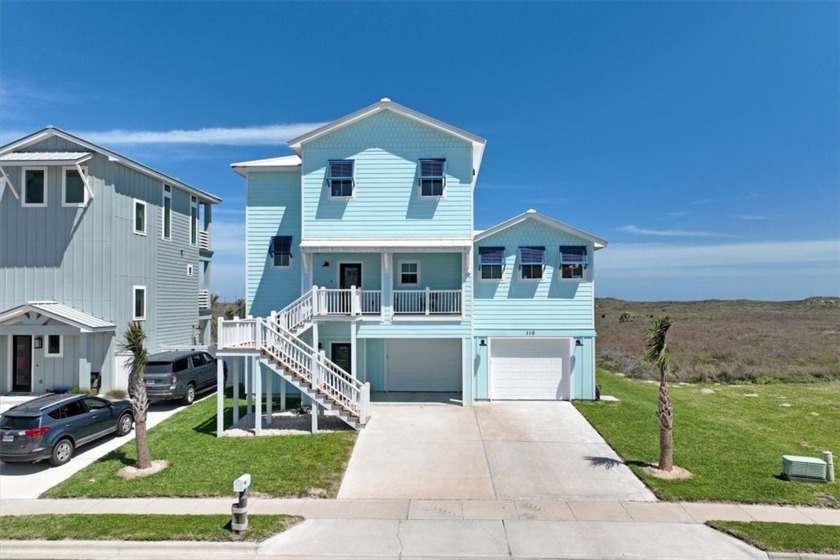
349 275
341 355
22 363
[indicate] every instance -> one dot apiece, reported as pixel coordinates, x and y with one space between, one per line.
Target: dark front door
341 355
22 363
351 275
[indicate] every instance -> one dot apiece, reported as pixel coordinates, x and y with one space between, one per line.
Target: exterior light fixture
39 342
483 342
326 264
578 342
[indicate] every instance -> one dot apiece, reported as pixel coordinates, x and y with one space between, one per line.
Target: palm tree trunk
666 424
139 406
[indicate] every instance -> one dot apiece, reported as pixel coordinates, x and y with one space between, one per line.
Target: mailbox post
239 510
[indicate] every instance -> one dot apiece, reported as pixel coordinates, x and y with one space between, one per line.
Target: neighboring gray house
89 241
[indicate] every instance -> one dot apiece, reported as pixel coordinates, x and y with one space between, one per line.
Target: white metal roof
54 158
271 164
85 322
534 215
415 245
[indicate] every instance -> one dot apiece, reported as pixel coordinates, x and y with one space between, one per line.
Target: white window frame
503 266
421 177
193 221
47 353
134 217
563 279
190 270
166 195
23 187
273 256
134 291
544 266
64 202
352 181
401 263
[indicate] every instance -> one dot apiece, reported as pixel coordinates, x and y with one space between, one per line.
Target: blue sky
701 139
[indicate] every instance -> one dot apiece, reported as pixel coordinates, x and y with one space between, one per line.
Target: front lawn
122 527
784 537
732 440
200 464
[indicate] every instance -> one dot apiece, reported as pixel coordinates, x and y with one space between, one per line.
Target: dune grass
732 440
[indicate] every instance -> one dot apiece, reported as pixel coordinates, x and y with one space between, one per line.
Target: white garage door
423 365
529 368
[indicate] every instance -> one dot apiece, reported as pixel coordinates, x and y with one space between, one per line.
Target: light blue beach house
90 240
365 274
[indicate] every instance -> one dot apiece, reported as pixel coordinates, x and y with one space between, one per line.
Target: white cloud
751 217
670 232
241 136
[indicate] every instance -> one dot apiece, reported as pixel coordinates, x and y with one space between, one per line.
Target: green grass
732 443
133 527
784 537
202 465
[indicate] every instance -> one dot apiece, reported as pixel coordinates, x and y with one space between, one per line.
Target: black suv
178 375
53 426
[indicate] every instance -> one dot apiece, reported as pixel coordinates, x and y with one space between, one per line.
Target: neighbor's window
281 251
139 301
139 217
73 188
340 178
193 220
167 212
491 261
531 262
432 177
573 261
54 349
34 186
409 273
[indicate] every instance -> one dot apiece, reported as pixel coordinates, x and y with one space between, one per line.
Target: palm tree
236 310
133 341
657 352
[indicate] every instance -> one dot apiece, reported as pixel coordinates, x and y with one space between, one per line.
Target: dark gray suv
178 375
53 426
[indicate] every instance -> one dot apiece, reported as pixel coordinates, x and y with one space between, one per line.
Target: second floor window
193 221
573 261
432 177
280 251
34 187
167 212
139 303
491 260
531 262
340 178
140 217
73 188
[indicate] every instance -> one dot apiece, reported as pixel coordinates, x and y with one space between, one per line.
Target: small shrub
81 391
625 317
116 394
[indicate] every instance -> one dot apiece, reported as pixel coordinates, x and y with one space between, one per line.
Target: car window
180 365
159 367
68 410
94 403
19 422
199 360
208 358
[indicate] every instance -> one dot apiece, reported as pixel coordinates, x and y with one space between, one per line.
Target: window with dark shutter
432 177
573 261
531 262
280 251
340 178
491 261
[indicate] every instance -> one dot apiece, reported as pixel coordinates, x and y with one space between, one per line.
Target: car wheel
124 424
62 452
189 396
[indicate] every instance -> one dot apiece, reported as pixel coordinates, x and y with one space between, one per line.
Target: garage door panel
529 369
424 365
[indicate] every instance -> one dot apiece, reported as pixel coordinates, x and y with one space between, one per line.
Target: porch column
387 286
282 394
258 374
236 365
249 380
467 357
220 397
269 381
353 346
82 349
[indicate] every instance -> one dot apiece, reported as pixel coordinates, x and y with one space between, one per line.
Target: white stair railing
237 333
299 312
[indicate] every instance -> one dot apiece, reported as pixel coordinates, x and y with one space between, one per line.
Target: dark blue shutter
532 255
341 169
573 254
432 168
491 255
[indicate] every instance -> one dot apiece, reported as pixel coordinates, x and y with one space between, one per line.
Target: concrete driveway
30 480
492 451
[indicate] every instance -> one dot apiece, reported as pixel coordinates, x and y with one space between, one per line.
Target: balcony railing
427 302
204 299
204 240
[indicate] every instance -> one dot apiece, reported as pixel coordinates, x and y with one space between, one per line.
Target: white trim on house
23 202
282 163
47 353
134 291
437 245
134 217
85 322
597 242
85 193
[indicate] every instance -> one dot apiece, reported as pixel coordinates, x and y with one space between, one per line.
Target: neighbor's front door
22 363
341 355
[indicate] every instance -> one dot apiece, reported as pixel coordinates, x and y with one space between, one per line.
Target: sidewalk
470 510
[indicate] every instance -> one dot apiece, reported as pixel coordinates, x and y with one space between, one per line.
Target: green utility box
803 469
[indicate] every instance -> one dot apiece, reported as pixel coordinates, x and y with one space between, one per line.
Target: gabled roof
9 155
49 158
281 163
386 104
597 242
85 322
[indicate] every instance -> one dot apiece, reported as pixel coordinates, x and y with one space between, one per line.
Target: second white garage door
423 365
529 368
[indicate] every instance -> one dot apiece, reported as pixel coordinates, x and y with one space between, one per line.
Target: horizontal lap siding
386 204
272 208
550 304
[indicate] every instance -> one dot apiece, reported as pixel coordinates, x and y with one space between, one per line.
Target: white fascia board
386 245
597 242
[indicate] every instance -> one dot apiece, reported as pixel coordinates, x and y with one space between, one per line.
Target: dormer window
531 263
491 260
340 178
432 177
573 261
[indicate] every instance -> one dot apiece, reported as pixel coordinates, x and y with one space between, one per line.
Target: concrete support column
220 397
353 346
237 364
467 357
282 394
269 382
387 286
82 351
249 381
258 374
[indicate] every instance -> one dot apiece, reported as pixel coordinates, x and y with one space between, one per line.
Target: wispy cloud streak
238 136
670 232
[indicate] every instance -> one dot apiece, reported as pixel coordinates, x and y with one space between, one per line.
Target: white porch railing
335 302
204 240
371 302
427 302
204 299
298 313
237 333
